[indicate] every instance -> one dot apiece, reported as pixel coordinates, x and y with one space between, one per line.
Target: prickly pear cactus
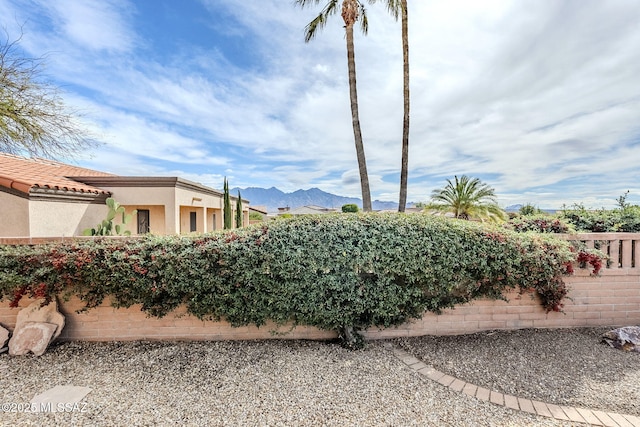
107 227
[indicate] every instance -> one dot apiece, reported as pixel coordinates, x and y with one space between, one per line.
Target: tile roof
24 174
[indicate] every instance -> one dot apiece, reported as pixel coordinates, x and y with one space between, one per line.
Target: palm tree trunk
404 172
362 163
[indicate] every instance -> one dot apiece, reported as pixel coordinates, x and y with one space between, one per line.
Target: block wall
611 299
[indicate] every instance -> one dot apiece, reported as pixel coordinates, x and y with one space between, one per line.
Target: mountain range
273 199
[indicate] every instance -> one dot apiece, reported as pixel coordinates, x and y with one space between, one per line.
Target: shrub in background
624 219
255 216
334 272
350 208
529 209
539 223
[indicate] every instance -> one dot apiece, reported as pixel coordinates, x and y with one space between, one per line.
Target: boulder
4 336
47 314
626 338
31 336
36 327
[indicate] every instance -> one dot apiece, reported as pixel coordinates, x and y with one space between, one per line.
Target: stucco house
45 198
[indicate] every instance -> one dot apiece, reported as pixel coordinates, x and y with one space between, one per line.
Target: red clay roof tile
23 174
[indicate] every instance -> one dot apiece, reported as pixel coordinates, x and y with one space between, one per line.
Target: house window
193 225
143 221
213 222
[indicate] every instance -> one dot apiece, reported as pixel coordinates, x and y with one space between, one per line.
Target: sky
539 99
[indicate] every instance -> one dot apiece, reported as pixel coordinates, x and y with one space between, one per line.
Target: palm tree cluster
353 11
466 198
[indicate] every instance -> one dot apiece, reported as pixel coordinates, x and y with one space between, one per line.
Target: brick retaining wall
613 299
609 300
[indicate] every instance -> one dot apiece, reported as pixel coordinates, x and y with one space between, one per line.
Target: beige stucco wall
169 202
214 219
219 219
22 217
186 197
14 216
157 221
134 197
185 219
178 203
60 218
171 205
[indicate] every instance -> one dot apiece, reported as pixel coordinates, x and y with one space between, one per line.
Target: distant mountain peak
273 198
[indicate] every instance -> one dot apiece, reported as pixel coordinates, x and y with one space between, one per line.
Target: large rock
626 338
36 327
4 336
47 314
31 336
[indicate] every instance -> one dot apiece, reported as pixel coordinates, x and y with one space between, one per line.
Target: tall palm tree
466 198
399 8
352 12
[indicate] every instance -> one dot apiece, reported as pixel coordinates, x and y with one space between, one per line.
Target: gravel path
275 383
563 366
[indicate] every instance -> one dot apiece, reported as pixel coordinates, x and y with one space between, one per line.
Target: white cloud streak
540 97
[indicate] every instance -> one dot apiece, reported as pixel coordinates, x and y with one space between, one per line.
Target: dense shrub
350 208
539 223
529 209
625 219
335 272
255 216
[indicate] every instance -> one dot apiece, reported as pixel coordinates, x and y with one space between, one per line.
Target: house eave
150 181
57 195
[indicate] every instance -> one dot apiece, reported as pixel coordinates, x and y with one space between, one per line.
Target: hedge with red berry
336 272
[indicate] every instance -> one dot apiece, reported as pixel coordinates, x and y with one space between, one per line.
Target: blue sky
541 99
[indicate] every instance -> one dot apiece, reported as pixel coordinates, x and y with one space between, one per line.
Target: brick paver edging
564 413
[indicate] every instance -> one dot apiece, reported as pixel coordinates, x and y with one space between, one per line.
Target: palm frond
394 7
467 198
304 3
364 21
319 21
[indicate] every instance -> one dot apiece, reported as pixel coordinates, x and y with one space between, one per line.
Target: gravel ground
275 383
563 366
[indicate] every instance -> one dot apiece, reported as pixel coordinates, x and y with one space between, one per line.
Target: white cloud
97 26
533 95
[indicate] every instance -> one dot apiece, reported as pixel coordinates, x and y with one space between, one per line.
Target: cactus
107 227
239 211
227 206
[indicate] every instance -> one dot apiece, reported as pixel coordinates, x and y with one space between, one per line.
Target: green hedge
625 219
335 272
